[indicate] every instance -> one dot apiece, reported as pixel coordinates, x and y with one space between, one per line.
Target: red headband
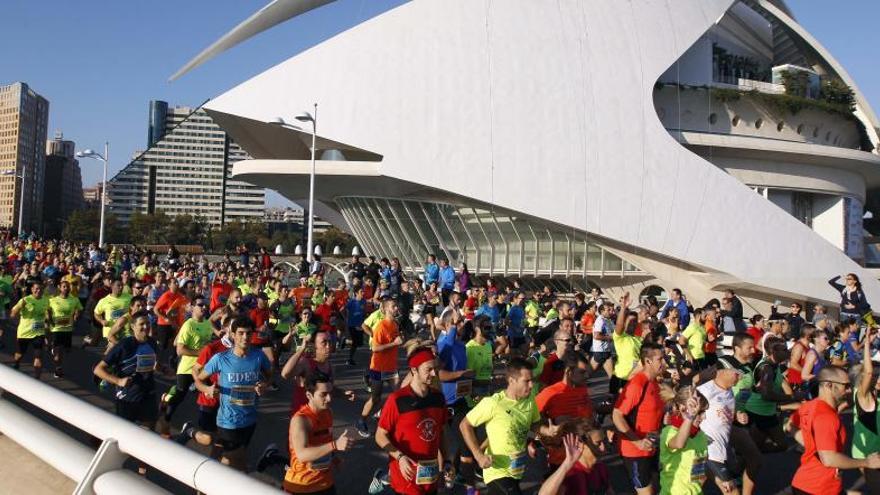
419 357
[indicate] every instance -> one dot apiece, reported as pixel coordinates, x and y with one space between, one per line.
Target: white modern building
186 169
644 145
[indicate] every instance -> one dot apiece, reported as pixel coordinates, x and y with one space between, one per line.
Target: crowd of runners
495 378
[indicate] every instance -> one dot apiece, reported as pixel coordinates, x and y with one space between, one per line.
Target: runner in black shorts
133 360
33 311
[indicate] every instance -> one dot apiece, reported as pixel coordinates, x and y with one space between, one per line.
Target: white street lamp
21 196
313 118
355 251
337 251
104 158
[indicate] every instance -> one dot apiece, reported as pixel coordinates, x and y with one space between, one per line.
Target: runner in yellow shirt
33 310
64 311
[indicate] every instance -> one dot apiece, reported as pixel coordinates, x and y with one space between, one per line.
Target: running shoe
186 433
379 482
362 428
265 459
59 373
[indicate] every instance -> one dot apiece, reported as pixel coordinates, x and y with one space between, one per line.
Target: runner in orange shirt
386 340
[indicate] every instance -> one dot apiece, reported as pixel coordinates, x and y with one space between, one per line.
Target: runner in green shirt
509 417
64 311
693 340
684 448
479 359
33 310
112 307
195 333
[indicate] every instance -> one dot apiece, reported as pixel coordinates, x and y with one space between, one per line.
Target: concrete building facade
63 191
24 118
186 169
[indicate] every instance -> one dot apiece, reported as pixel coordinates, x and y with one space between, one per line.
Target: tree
85 225
333 237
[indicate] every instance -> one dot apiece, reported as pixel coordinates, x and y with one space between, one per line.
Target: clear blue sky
99 62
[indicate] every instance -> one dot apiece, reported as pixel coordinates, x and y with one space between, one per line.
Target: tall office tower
24 116
63 191
186 169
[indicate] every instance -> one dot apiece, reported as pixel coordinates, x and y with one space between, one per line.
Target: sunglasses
845 384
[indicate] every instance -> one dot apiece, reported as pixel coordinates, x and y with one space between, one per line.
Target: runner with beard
412 427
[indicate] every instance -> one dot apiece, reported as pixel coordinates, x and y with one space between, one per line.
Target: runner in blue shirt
355 313
432 271
456 382
243 374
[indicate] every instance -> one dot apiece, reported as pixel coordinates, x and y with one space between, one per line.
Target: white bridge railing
101 472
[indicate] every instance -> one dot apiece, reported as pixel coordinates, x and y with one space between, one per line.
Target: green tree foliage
835 92
84 226
333 237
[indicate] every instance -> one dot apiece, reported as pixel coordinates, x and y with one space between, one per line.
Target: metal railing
101 472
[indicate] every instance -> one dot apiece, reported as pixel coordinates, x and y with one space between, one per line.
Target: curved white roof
547 110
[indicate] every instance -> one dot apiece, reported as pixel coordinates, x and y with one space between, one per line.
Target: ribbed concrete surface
23 473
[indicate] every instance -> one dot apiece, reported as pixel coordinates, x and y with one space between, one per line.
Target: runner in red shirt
567 399
411 429
326 312
563 340
220 290
262 336
824 437
638 416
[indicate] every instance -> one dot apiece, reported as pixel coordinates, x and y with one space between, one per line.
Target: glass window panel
472 224
612 262
545 246
413 247
594 258
529 253
436 212
560 252
469 255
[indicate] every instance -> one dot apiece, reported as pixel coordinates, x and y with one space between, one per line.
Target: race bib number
698 471
243 395
146 363
427 472
518 464
38 325
117 313
463 388
323 463
62 322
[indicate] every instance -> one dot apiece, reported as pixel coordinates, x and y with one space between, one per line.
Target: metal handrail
197 471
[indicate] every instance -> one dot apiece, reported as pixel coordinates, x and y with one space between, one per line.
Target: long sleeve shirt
684 316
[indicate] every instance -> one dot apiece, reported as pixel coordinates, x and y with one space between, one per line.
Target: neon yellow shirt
507 423
696 336
33 317
63 309
479 359
627 347
111 308
195 335
683 471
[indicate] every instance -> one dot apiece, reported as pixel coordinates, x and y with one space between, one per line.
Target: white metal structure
101 472
104 158
544 117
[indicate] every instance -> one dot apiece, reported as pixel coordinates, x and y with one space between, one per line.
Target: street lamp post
313 118
104 158
21 196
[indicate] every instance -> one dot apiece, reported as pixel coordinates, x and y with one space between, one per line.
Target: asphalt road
359 463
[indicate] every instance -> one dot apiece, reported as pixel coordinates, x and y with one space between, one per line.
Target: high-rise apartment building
63 191
24 117
186 169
